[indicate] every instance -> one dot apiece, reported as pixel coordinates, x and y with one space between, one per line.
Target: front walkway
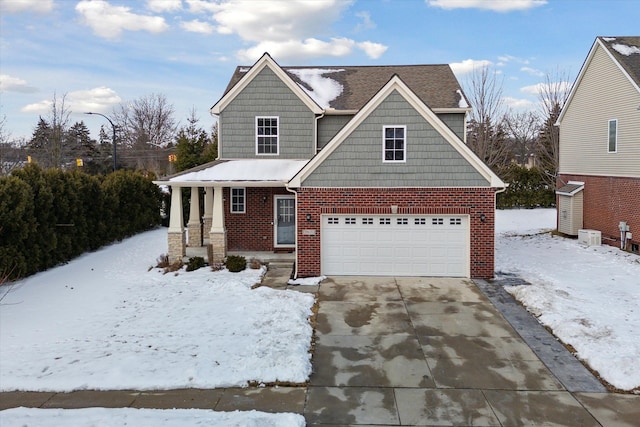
404 351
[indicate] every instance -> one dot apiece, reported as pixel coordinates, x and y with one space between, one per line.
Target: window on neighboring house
266 135
394 146
238 200
613 135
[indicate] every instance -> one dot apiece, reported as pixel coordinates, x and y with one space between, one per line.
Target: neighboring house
599 168
358 170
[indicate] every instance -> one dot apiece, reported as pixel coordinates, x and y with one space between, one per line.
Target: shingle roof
435 85
570 189
626 50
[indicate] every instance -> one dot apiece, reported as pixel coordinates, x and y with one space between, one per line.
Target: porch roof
246 172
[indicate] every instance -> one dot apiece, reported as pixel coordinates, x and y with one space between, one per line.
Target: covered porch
244 201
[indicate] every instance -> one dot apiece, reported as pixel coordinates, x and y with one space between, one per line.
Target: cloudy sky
101 53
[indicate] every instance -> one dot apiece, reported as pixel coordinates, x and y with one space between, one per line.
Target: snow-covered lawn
105 321
588 296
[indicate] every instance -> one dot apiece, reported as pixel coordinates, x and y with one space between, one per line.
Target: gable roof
250 73
623 51
397 84
571 188
349 88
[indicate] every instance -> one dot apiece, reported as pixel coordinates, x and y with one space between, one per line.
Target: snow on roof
277 170
624 49
462 103
323 89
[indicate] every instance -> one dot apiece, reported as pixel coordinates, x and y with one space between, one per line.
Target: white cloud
287 29
517 103
98 99
494 5
468 66
510 58
109 21
15 84
164 5
197 26
532 71
366 24
200 6
14 6
543 87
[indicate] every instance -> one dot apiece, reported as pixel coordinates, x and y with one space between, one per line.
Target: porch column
195 230
217 235
175 234
208 208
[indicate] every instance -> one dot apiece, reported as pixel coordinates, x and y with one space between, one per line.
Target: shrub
195 263
163 261
527 189
254 263
236 263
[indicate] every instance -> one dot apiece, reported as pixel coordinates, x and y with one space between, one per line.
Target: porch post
208 209
175 234
217 235
195 230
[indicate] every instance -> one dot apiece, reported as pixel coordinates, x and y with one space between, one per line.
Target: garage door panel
395 245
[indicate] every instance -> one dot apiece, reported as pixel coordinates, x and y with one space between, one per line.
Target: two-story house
599 153
357 170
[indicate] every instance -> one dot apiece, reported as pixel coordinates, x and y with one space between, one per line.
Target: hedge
48 217
526 189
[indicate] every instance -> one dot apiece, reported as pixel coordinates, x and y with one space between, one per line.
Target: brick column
175 235
217 234
195 230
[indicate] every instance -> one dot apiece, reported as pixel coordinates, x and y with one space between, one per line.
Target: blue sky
105 52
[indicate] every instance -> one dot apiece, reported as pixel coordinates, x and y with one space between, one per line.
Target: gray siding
431 160
329 126
266 95
455 123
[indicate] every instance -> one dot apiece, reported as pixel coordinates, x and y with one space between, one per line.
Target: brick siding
607 201
471 201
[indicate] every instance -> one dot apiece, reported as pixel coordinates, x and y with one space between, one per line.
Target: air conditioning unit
590 237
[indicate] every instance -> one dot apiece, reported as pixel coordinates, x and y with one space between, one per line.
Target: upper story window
238 200
613 136
267 135
394 144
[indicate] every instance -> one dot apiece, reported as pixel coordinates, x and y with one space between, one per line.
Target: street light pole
113 127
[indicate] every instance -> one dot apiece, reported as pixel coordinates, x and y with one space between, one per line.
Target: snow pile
105 321
588 296
307 281
323 89
145 417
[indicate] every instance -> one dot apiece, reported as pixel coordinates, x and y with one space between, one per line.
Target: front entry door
285 221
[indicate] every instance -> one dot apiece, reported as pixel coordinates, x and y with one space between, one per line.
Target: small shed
570 207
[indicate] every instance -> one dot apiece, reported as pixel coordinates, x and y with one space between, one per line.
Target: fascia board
265 61
397 84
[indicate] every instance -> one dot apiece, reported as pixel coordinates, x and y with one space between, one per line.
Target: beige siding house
600 145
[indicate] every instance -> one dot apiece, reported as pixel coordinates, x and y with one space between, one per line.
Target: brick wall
607 201
471 201
252 230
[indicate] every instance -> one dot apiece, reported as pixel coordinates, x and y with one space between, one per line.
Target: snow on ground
588 296
144 418
105 321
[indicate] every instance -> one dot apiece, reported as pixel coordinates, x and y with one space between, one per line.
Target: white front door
395 245
285 221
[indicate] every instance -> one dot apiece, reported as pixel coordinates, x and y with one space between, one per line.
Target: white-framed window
238 200
394 144
267 135
613 136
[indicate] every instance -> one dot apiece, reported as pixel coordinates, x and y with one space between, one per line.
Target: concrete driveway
436 351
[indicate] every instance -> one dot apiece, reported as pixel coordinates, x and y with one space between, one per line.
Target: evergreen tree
80 144
193 145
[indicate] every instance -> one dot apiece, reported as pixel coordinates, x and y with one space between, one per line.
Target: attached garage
395 245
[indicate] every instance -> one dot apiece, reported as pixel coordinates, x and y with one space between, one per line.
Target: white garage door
395 245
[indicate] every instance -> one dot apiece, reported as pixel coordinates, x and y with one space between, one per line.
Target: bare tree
522 129
147 126
486 130
553 95
49 142
9 159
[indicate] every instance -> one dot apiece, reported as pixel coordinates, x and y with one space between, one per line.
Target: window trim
232 205
258 153
404 146
615 141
